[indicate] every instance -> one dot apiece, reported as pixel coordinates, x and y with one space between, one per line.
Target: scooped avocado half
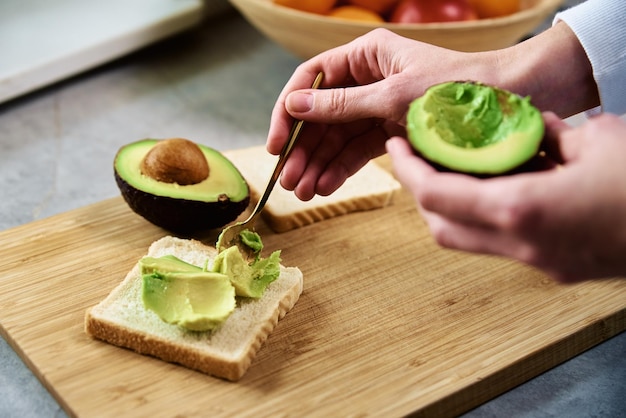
179 185
474 128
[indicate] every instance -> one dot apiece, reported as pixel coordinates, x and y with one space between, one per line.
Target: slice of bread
122 320
372 187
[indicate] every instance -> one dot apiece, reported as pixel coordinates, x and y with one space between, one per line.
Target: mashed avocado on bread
199 299
121 318
474 128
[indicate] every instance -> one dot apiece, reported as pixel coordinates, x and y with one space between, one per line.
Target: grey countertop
215 84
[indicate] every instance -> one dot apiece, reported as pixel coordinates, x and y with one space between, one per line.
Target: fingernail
300 102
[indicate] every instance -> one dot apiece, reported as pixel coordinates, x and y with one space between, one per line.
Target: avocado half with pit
474 128
179 185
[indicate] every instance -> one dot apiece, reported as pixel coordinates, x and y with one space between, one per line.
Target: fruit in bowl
311 6
406 11
487 25
423 11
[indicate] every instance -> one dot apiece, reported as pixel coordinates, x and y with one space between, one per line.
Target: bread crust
120 319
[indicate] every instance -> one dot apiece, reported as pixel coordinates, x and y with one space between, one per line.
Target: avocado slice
474 128
170 196
166 264
197 301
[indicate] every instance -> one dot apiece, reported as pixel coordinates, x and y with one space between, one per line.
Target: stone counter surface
216 85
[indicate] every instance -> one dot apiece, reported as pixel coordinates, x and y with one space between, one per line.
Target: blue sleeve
600 26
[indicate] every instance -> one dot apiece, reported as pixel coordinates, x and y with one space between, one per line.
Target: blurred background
43 42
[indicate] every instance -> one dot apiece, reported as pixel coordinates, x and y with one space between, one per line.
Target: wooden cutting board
388 323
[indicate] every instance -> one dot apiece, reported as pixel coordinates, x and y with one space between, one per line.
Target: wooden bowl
308 34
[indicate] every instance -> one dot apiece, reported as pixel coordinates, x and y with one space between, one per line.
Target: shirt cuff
599 26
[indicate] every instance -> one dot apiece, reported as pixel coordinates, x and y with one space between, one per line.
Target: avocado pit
176 160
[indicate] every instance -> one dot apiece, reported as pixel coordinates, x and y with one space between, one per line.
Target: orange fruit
312 6
355 13
378 6
494 8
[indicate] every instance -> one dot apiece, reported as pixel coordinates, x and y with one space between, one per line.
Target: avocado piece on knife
249 279
474 128
179 185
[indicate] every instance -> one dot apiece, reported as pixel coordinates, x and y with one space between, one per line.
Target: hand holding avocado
566 220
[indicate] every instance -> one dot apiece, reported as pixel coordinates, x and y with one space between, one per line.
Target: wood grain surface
388 324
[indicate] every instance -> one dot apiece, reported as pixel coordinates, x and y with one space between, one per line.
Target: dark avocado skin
180 216
537 163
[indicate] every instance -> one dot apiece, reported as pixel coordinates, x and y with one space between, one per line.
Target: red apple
428 11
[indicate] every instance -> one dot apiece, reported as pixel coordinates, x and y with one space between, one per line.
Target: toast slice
372 187
121 319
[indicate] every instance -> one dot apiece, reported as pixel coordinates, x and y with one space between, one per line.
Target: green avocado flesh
211 203
474 128
198 299
250 280
166 264
252 240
